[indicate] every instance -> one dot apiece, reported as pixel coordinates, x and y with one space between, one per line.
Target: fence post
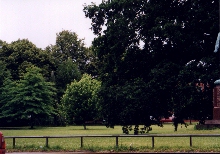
47 142
116 141
81 142
190 138
152 141
13 142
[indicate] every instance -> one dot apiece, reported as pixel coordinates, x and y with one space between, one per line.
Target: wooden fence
190 136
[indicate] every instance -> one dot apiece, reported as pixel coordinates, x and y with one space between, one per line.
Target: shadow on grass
81 127
14 128
89 129
22 128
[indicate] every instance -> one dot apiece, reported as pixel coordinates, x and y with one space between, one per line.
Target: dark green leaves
31 96
152 42
81 100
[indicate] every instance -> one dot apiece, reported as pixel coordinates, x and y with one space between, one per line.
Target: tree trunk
31 122
32 126
84 125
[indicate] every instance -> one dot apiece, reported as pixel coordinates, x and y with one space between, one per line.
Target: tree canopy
71 59
69 45
21 54
153 41
81 100
30 98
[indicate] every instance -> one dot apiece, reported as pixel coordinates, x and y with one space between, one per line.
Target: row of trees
33 82
147 60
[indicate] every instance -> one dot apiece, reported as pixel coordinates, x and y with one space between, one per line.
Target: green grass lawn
108 144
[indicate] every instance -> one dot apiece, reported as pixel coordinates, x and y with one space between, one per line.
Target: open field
108 144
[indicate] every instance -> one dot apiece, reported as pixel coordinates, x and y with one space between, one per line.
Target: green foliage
4 72
71 59
31 97
143 43
68 45
81 100
60 64
21 54
129 103
66 72
196 83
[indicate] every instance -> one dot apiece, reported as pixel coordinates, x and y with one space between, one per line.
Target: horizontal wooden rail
116 137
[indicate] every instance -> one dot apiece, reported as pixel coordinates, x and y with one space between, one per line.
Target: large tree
30 98
151 40
71 59
81 100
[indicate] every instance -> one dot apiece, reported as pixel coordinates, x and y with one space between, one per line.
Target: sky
40 20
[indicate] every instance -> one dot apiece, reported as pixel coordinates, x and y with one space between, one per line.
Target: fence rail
117 137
